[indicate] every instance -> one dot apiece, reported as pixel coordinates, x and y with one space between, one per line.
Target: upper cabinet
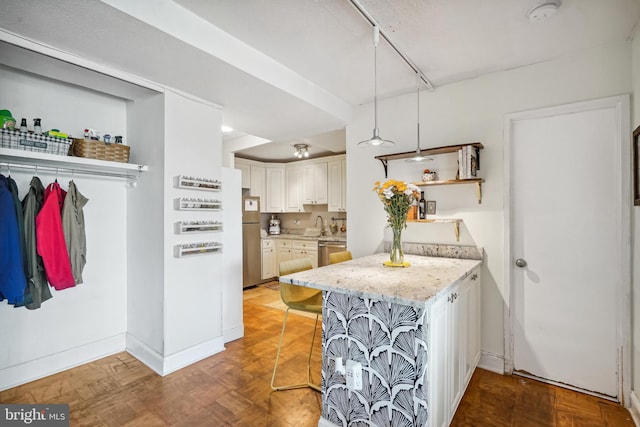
287 187
315 183
337 185
293 189
275 191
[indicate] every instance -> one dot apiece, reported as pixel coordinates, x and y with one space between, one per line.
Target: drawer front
305 245
283 243
268 244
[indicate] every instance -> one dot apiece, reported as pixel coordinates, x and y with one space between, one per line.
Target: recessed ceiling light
543 11
226 129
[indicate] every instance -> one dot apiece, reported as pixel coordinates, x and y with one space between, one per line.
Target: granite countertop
367 277
329 238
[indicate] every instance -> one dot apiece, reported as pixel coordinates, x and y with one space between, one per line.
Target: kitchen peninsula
415 332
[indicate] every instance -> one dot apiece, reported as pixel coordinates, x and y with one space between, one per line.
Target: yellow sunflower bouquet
397 197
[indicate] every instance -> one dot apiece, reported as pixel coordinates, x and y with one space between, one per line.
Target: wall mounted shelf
194 183
477 181
203 248
456 223
191 204
20 158
188 227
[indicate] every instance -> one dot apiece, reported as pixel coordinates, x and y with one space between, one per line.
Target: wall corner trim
491 362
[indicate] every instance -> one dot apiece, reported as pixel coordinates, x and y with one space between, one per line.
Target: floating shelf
203 248
426 152
456 223
20 158
194 183
477 181
191 204
188 227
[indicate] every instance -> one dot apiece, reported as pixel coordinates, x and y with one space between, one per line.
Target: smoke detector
543 11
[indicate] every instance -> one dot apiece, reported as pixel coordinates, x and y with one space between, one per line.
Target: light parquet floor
232 388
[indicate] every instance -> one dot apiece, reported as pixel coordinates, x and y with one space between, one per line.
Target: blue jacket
12 279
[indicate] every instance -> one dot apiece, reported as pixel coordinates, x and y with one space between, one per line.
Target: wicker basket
100 150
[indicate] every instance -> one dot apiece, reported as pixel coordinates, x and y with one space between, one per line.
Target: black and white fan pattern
390 341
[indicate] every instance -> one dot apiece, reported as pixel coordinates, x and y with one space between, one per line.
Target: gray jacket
74 233
36 278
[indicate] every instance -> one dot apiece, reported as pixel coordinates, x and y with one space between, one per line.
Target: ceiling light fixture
375 140
418 158
301 150
543 11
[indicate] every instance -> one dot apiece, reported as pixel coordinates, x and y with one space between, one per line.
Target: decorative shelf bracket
385 165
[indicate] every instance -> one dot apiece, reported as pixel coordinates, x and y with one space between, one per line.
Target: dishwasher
328 247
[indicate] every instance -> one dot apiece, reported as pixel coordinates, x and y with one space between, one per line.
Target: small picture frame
431 207
636 166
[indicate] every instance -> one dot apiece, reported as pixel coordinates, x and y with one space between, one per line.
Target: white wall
635 122
472 110
89 320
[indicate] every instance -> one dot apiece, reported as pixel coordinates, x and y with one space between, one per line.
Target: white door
568 196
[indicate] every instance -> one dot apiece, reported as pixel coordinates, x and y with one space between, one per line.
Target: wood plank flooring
232 388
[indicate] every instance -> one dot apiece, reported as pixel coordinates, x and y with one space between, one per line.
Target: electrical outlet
354 375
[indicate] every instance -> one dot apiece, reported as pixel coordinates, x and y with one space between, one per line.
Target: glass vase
396 257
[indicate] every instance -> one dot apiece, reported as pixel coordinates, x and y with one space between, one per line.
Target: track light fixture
375 140
301 150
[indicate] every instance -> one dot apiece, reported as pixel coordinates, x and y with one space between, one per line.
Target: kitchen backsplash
297 222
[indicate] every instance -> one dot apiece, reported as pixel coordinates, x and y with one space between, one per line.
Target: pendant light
418 158
375 140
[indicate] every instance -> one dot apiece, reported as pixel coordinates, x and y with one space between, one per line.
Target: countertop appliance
274 225
325 248
251 250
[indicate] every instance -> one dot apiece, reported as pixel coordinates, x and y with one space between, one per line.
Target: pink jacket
50 239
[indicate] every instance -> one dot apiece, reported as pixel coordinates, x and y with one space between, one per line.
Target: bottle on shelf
23 125
37 127
422 206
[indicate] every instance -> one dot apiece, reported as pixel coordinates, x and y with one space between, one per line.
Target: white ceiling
290 70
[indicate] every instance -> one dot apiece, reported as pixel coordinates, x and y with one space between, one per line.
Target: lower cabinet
455 346
269 267
287 249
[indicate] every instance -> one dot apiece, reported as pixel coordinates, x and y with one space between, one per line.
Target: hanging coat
13 189
12 280
50 239
74 231
36 279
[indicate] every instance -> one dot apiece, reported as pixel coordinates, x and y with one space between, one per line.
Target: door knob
521 263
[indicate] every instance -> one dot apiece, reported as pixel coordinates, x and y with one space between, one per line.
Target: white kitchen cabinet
455 346
337 185
245 169
293 189
258 184
314 190
269 267
306 249
274 188
284 252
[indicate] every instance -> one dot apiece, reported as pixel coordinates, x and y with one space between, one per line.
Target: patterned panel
390 341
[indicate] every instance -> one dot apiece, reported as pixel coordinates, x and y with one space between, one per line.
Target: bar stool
337 257
302 299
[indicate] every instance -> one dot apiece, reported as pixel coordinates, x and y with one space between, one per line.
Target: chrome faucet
321 224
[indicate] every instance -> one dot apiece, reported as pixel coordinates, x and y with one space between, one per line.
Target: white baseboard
325 423
492 362
168 364
233 334
39 368
193 354
634 410
145 354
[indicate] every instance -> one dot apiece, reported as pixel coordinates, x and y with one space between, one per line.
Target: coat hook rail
70 171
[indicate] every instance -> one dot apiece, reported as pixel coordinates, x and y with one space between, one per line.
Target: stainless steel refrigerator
251 246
